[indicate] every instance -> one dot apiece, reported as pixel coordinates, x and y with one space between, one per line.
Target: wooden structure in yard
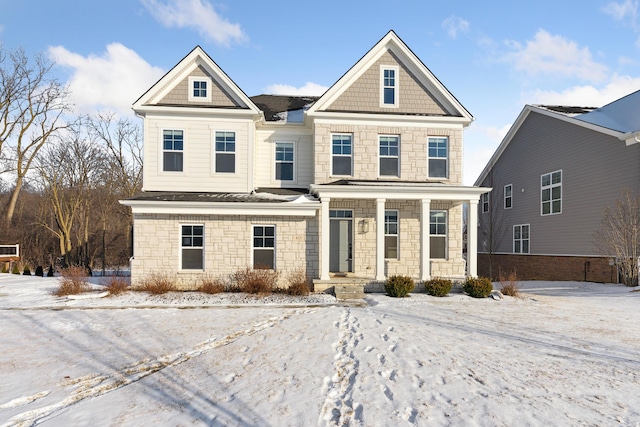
9 253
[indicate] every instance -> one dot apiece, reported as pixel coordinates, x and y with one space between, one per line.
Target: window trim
380 156
215 153
550 187
396 86
445 236
485 202
446 157
350 135
162 150
192 81
294 174
521 239
509 197
254 248
397 233
202 248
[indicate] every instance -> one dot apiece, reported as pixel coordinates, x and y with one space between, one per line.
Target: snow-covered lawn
566 353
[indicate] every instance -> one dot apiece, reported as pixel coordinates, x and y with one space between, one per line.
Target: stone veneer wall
413 152
228 245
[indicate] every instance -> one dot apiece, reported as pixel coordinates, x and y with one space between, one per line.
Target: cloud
454 25
196 14
554 55
627 10
309 89
587 96
112 81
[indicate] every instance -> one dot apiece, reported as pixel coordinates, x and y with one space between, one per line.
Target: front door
341 241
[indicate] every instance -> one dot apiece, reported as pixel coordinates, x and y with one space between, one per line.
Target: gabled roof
392 43
197 58
622 115
566 115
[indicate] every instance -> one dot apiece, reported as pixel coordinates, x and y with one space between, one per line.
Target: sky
494 57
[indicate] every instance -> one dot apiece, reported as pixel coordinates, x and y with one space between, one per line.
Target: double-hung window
199 89
225 152
284 161
389 86
508 196
551 193
172 150
264 246
391 234
484 200
192 247
438 154
341 152
389 156
438 234
521 239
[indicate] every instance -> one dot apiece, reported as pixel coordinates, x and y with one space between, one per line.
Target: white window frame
254 247
183 151
387 232
444 236
521 239
182 246
445 158
396 85
192 81
276 162
380 156
550 187
216 152
350 156
509 197
485 201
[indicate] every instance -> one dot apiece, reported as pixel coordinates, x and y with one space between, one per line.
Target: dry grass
158 283
211 285
260 281
298 283
509 283
116 285
72 281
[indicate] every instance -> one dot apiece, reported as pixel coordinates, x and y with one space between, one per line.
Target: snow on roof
622 115
567 110
283 108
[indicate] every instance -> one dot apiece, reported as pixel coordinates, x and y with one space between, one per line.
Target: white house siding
199 152
265 157
228 245
413 151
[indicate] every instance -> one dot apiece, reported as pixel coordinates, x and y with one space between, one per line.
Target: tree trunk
11 207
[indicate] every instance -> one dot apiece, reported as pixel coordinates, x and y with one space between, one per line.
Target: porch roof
412 190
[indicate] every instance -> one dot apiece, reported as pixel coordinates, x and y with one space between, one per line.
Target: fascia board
163 110
399 192
388 119
200 208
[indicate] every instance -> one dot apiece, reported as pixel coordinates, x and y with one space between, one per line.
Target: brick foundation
542 267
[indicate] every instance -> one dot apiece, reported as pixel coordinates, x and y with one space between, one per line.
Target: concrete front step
349 291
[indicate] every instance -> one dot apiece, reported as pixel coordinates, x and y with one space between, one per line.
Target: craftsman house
361 183
553 175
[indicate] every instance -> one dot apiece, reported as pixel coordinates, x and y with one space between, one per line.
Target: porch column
425 241
324 238
380 239
472 239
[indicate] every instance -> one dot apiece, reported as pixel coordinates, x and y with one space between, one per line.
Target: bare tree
31 109
491 224
619 235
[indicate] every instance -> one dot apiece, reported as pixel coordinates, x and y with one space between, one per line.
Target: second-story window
389 86
341 152
389 156
172 150
551 193
438 154
284 161
225 152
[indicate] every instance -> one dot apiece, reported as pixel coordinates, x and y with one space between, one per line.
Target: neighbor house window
341 152
391 234
389 159
225 152
199 89
484 201
438 157
264 246
551 189
172 150
438 234
521 239
284 161
508 196
389 86
192 247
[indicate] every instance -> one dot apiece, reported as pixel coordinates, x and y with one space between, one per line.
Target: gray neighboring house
552 177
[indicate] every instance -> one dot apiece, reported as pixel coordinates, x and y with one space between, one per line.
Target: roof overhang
398 191
389 119
308 209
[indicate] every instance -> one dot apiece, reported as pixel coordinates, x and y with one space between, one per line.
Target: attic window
388 86
199 88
